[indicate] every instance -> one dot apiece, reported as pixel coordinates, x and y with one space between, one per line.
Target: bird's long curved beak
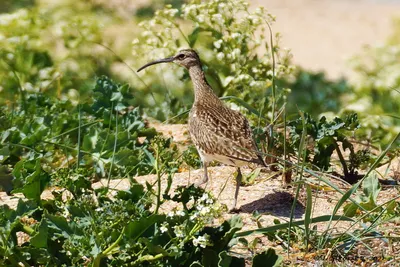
168 59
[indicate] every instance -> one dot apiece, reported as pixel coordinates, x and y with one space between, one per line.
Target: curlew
218 132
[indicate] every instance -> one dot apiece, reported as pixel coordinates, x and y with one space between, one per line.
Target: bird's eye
181 56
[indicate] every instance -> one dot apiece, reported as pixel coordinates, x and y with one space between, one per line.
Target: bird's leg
205 179
238 181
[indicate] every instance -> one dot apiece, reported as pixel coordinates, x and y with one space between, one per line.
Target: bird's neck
202 90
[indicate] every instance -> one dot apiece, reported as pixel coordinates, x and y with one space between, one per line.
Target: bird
218 132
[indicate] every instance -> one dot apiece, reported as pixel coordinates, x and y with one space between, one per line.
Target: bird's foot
201 183
204 180
235 210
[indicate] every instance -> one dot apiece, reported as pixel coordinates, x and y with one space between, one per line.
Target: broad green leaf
4 153
210 258
350 210
235 224
267 258
90 140
151 247
371 187
60 225
39 240
224 259
136 229
35 182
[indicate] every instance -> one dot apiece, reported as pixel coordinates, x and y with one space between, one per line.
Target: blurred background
342 55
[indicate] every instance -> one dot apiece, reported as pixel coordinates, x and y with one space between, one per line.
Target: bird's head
186 58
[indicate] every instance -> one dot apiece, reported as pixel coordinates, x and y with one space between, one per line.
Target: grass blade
324 218
307 216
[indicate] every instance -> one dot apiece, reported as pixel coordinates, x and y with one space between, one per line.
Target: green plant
376 95
111 227
101 134
315 94
328 136
228 46
191 157
368 199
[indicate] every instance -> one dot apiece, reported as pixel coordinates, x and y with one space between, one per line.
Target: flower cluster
201 241
47 45
234 43
185 225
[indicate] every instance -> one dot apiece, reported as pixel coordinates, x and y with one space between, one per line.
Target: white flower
45 73
259 10
204 197
14 39
164 228
228 80
10 56
180 213
205 210
172 12
146 33
220 56
244 77
256 20
178 231
236 51
20 15
171 214
200 18
218 18
194 216
201 241
217 44
28 87
236 35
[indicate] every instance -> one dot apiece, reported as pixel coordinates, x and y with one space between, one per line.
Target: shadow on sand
277 203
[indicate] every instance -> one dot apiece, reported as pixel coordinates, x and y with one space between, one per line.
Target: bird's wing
224 132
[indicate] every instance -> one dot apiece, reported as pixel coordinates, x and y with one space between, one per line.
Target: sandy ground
324 34
265 196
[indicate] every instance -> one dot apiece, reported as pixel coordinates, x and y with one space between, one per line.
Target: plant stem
157 167
341 158
273 86
27 229
114 149
79 136
147 258
96 261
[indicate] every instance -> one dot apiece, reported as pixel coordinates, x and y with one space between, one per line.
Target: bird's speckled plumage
218 132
